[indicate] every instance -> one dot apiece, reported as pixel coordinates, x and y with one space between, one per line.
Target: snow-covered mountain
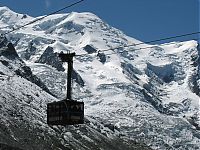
132 94
23 125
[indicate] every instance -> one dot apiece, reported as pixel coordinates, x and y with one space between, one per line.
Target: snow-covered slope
23 99
148 95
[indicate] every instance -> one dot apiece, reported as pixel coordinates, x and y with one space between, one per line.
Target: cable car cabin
65 112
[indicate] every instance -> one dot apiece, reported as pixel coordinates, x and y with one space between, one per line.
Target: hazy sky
142 19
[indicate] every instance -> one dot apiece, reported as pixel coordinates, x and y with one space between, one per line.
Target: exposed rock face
165 73
31 50
51 58
89 49
194 81
102 57
10 59
77 78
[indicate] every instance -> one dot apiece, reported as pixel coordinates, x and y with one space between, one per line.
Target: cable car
67 111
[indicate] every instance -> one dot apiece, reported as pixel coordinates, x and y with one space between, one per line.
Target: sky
144 20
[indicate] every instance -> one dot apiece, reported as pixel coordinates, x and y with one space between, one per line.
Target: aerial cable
148 42
152 41
137 49
168 38
103 50
38 19
153 46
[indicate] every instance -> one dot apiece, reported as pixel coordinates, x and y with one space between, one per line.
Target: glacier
132 95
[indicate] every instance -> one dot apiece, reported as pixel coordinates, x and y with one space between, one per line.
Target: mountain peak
5 11
4 8
10 19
